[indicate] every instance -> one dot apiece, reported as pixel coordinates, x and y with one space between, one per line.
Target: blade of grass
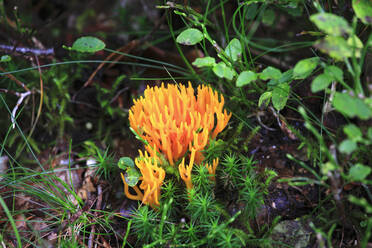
12 223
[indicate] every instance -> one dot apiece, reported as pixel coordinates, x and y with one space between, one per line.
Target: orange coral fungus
172 119
212 169
185 171
152 180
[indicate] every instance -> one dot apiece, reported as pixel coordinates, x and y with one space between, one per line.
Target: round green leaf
353 132
88 44
305 67
223 71
331 24
234 49
351 106
204 62
132 176
359 172
286 77
189 37
327 167
245 78
268 17
355 44
335 72
369 133
347 146
335 46
5 58
363 10
270 73
321 82
280 96
125 162
265 98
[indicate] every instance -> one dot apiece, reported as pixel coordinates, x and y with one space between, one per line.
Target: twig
25 50
258 114
21 97
118 94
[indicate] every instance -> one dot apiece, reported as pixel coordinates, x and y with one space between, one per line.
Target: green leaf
305 67
353 132
268 17
245 78
132 176
321 82
280 96
131 173
361 202
359 172
190 36
234 49
335 46
327 167
223 71
5 58
368 102
265 98
286 77
88 44
363 10
355 45
125 162
335 72
351 106
204 62
369 133
251 10
331 24
347 146
270 73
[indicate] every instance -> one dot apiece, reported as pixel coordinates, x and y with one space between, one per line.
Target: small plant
202 208
102 160
231 171
145 221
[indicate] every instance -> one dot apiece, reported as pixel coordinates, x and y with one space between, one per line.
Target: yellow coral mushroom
152 180
172 119
185 171
212 169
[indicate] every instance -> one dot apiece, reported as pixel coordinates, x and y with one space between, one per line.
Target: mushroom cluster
173 120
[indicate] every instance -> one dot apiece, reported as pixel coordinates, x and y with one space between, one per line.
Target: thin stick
21 97
25 50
